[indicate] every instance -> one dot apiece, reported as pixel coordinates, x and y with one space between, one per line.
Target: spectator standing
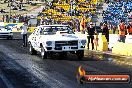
26 19
105 31
42 20
24 34
82 25
114 29
20 18
122 31
77 25
14 19
7 18
3 18
11 18
91 31
129 28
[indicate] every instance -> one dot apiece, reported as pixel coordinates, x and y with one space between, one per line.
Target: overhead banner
15 27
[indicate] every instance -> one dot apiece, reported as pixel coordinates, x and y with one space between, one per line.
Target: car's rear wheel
43 53
80 54
32 50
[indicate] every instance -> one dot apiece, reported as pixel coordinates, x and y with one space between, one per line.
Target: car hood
62 37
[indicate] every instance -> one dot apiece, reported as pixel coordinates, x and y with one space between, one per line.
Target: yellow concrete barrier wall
122 49
31 29
102 43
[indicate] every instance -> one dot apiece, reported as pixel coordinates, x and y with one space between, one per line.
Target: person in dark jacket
105 31
91 32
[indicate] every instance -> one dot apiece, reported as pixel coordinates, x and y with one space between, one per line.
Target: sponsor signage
82 77
107 78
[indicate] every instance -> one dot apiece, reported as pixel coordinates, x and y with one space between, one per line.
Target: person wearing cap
122 31
24 34
91 31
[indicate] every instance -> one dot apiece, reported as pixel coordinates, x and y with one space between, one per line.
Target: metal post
95 26
71 8
10 8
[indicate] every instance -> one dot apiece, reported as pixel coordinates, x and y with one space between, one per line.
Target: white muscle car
5 32
50 39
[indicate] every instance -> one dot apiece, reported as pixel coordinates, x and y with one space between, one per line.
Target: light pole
10 7
71 7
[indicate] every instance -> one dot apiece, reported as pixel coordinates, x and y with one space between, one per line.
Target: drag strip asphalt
23 70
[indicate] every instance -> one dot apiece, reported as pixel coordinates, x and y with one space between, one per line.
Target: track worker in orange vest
82 25
122 31
129 28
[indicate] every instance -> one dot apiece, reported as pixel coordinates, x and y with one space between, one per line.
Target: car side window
47 30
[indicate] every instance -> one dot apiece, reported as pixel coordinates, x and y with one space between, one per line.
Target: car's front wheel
43 53
32 50
80 54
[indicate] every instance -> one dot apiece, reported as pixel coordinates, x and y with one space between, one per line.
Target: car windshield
55 29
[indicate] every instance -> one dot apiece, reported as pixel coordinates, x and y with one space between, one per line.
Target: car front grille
60 44
66 43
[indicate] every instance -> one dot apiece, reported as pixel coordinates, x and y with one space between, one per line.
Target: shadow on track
69 57
19 76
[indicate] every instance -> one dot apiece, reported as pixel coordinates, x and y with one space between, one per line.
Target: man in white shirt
24 34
